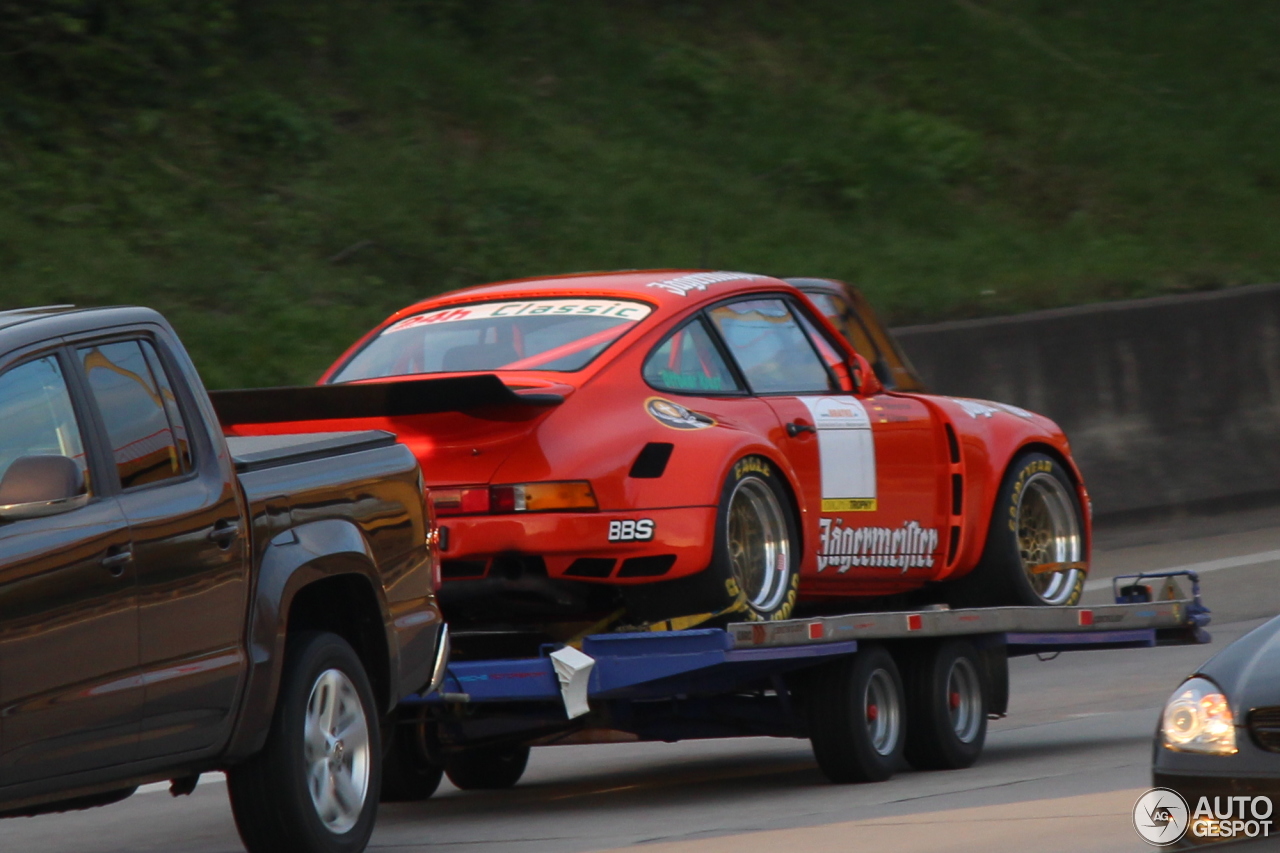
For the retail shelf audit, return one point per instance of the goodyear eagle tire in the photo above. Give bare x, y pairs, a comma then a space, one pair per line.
755, 557
314, 786
1034, 553
408, 773
856, 716
488, 769
946, 706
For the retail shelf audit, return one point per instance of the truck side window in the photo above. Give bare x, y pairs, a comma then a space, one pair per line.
770, 347
132, 403
36, 418
171, 407
688, 362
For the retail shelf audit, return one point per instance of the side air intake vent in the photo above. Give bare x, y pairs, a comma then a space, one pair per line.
652, 460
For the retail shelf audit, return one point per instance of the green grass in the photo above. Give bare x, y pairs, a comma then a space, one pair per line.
298, 170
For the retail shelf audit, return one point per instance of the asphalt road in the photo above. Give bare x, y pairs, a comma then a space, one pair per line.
1060, 773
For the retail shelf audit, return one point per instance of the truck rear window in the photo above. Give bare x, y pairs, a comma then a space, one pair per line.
561, 335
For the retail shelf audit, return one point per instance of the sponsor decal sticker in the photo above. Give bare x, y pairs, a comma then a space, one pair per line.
631, 311
631, 530
681, 285
846, 453
848, 504
676, 416
908, 547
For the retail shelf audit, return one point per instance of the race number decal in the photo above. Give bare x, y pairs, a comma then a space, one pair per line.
847, 452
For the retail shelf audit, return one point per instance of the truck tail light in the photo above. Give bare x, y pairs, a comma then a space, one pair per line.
517, 497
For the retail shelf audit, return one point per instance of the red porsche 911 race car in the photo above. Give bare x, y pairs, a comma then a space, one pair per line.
675, 442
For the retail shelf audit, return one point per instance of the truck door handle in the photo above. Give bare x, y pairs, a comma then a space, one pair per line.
794, 429
117, 558
224, 533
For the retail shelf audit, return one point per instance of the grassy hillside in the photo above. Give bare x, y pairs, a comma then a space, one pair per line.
277, 175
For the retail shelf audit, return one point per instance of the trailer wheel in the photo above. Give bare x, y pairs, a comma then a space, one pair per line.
856, 717
408, 773
946, 707
314, 786
1037, 525
487, 769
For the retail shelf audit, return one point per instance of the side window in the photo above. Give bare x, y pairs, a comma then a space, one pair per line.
830, 355
689, 362
770, 347
148, 447
36, 418
171, 408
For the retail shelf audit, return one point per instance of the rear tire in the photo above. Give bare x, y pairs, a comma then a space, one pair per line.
946, 707
1037, 523
408, 773
488, 769
856, 717
314, 786
755, 555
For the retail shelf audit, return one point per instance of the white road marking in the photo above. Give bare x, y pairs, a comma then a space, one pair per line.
1200, 568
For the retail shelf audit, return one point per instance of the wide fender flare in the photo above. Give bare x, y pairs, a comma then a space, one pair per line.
790, 482
293, 560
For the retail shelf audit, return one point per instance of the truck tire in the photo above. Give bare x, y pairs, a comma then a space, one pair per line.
488, 769
856, 716
314, 786
1037, 522
408, 773
946, 706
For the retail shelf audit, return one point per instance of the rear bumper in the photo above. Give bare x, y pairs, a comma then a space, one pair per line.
598, 547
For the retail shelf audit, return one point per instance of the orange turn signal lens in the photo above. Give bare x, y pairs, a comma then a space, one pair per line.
539, 497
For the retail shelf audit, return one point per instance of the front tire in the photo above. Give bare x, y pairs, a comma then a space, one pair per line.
1034, 553
314, 786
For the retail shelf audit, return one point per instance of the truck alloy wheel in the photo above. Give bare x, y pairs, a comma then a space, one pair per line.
337, 751
314, 786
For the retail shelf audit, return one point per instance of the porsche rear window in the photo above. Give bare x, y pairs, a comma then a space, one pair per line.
562, 335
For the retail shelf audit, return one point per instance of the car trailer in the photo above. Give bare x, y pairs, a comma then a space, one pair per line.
866, 689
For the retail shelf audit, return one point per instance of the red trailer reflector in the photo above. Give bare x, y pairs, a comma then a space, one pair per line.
816, 631
1086, 617
914, 622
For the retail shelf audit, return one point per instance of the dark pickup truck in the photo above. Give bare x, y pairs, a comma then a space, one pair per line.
174, 602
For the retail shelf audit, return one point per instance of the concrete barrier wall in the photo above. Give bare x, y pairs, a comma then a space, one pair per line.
1167, 402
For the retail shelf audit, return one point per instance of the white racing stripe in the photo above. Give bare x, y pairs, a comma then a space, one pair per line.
1200, 568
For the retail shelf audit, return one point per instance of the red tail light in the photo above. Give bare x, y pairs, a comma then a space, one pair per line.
519, 497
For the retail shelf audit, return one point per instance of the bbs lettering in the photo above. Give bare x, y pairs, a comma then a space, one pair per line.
631, 530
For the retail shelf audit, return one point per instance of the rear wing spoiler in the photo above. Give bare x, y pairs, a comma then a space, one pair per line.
371, 400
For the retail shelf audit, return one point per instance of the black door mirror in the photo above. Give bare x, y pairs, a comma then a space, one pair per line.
36, 486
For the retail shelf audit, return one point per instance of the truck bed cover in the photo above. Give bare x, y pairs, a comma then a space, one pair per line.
254, 453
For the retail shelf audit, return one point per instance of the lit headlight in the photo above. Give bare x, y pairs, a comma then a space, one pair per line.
1197, 718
